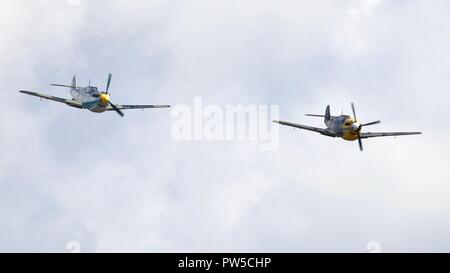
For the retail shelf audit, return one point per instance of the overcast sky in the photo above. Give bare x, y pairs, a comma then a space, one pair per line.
124, 184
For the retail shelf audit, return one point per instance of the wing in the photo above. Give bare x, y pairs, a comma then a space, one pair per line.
309, 128
69, 102
125, 107
380, 134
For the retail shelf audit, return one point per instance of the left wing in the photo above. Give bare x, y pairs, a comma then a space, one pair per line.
367, 135
325, 132
69, 102
125, 107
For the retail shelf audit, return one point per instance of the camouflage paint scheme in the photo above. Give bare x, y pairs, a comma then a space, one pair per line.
343, 126
90, 98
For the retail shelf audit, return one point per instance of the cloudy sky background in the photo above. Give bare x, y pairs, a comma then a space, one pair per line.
123, 184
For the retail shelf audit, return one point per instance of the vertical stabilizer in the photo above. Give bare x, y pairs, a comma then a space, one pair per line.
74, 82
327, 113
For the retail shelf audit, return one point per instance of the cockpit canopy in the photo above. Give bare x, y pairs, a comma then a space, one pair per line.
92, 90
347, 120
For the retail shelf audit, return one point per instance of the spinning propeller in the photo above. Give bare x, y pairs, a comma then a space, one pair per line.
359, 126
104, 97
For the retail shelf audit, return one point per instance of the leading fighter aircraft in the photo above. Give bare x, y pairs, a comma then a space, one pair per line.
91, 98
345, 127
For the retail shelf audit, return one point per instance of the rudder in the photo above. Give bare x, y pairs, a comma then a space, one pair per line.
74, 82
327, 113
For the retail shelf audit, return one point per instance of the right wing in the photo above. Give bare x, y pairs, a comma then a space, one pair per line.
125, 107
309, 128
72, 103
385, 134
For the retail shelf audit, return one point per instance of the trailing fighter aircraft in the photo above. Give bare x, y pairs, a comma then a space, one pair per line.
91, 98
345, 127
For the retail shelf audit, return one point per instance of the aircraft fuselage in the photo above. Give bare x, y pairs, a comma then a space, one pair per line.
91, 98
343, 126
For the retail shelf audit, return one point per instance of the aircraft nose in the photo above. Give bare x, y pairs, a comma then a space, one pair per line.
104, 98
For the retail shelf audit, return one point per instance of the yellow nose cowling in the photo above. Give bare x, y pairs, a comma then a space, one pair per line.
104, 98
348, 133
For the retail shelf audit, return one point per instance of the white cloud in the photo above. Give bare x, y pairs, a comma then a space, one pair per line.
124, 185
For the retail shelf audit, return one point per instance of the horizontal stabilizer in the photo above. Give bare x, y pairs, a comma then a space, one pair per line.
61, 85
311, 115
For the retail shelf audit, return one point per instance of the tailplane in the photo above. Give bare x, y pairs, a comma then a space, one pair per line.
73, 85
327, 115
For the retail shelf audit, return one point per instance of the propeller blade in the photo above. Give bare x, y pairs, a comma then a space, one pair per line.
116, 109
109, 81
370, 123
360, 142
353, 109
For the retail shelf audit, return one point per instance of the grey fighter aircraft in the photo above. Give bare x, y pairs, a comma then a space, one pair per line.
345, 127
91, 98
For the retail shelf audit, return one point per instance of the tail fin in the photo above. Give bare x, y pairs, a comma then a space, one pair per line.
74, 82
73, 85
327, 113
